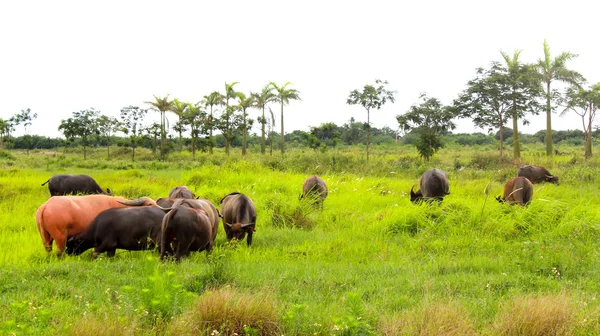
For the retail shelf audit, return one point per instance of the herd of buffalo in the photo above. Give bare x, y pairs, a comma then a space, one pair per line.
80, 215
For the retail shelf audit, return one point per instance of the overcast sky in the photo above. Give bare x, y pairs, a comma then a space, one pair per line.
57, 57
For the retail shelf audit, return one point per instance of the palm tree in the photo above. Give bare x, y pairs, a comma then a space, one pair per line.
244, 103
229, 94
551, 70
261, 100
162, 105
211, 100
179, 108
283, 96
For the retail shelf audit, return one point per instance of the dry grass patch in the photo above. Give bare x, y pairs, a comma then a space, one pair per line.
435, 319
541, 315
227, 312
105, 326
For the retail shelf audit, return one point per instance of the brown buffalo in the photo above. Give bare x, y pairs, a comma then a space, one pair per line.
433, 186
537, 174
185, 229
203, 204
518, 190
315, 189
181, 192
67, 184
61, 217
239, 216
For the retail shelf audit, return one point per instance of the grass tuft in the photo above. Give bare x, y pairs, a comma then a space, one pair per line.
536, 316
435, 319
229, 312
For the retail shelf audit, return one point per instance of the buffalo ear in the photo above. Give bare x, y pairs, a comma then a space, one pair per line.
109, 192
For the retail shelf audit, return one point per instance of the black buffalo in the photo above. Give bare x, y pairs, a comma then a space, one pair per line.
184, 230
315, 189
124, 228
181, 192
239, 216
67, 184
433, 185
201, 204
537, 174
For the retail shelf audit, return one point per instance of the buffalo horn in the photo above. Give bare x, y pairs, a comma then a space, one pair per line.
137, 202
248, 225
229, 225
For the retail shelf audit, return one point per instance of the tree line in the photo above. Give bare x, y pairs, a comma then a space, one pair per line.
499, 93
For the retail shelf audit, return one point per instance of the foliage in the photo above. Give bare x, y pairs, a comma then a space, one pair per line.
25, 118
229, 121
211, 100
244, 103
429, 119
83, 124
371, 97
162, 105
261, 100
107, 126
199, 123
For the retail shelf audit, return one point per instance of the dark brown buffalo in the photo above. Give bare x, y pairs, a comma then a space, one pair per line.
433, 186
204, 204
518, 190
537, 174
315, 189
184, 230
239, 216
132, 229
181, 192
67, 184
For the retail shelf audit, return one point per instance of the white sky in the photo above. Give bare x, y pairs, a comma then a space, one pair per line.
57, 57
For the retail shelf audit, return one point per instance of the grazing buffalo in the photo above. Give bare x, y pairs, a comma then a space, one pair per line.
314, 188
239, 216
537, 174
518, 190
61, 217
67, 184
204, 204
124, 228
181, 192
433, 185
184, 230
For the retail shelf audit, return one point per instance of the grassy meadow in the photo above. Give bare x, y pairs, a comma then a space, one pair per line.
370, 262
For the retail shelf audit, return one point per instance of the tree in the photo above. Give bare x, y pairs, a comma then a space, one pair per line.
555, 70
371, 97
132, 118
227, 123
107, 126
271, 124
198, 122
162, 105
244, 103
584, 103
215, 98
153, 130
429, 119
283, 95
487, 100
6, 126
24, 117
525, 86
83, 124
261, 100
179, 108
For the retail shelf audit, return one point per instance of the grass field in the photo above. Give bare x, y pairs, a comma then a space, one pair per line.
369, 263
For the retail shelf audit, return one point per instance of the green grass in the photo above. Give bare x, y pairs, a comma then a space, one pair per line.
369, 263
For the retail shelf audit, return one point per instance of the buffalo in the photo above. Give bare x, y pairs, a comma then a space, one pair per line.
67, 184
181, 192
518, 190
185, 229
203, 204
61, 217
120, 228
537, 174
315, 189
433, 185
239, 216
